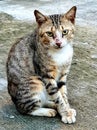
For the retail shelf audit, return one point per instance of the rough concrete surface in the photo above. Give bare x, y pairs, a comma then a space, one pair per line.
82, 81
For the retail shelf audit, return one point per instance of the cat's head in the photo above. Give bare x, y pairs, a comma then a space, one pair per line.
55, 31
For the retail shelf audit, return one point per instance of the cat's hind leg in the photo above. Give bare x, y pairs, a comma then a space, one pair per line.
50, 104
37, 90
44, 112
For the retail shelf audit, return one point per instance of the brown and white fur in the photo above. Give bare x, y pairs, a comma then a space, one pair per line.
38, 65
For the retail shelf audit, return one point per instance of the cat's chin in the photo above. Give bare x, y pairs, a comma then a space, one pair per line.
59, 48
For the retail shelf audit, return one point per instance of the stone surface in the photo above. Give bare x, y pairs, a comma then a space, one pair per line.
82, 80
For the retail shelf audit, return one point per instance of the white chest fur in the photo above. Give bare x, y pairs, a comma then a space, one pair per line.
63, 55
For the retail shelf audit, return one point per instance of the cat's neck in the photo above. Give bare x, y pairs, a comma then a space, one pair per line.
62, 55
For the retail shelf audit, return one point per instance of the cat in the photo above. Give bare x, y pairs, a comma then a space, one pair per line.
38, 64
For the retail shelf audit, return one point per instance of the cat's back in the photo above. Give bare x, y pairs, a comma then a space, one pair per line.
19, 63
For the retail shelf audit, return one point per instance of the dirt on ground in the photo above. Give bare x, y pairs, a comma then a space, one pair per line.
82, 80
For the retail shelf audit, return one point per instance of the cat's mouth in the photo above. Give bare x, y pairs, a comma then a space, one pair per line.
58, 47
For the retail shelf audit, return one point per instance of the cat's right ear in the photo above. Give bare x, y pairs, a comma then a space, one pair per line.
40, 18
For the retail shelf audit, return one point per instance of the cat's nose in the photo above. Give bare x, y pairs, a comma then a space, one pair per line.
58, 44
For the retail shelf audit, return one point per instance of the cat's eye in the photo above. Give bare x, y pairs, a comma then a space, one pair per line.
50, 34
65, 32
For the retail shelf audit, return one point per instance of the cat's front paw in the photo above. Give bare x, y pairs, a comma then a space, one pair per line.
70, 116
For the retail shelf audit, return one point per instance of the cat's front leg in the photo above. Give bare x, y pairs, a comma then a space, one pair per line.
63, 88
67, 114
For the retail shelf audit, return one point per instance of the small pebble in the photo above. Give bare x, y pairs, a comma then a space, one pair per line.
96, 116
85, 43
94, 56
11, 117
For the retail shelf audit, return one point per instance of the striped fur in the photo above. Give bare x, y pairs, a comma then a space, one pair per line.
55, 20
38, 65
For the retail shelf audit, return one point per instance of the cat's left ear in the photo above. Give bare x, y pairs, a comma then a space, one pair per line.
71, 14
40, 18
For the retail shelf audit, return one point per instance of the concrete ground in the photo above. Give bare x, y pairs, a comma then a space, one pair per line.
82, 81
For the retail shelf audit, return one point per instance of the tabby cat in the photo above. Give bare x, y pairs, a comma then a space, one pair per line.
38, 65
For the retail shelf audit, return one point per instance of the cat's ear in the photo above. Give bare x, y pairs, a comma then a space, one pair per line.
71, 14
40, 18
